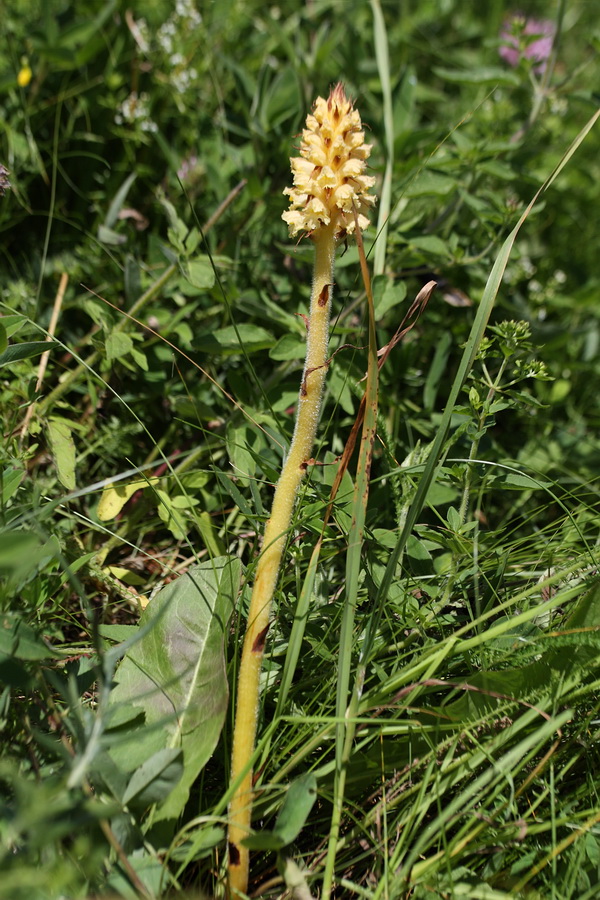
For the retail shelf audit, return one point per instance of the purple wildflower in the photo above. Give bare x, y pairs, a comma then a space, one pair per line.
524, 38
187, 167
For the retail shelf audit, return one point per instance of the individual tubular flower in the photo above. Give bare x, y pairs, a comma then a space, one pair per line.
329, 187
329, 174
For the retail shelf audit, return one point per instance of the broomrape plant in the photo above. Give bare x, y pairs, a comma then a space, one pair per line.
329, 196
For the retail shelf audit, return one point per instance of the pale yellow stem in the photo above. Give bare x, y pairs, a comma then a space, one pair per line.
267, 569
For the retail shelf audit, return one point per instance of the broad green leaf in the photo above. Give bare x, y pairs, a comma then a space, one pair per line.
117, 345
63, 451
176, 672
106, 771
125, 575
243, 443
3, 338
120, 714
498, 170
117, 632
226, 341
194, 480
19, 640
297, 805
155, 779
559, 390
454, 519
139, 358
339, 387
11, 324
172, 511
10, 480
430, 244
427, 182
439, 494
26, 350
417, 550
16, 547
200, 272
115, 496
98, 312
290, 346
345, 491
209, 533
387, 294
517, 481
516, 637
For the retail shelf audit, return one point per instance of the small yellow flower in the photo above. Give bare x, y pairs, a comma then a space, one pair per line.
329, 174
24, 76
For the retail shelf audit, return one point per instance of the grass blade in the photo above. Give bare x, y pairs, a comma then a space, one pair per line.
345, 728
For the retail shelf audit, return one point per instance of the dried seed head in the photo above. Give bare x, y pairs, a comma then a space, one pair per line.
328, 174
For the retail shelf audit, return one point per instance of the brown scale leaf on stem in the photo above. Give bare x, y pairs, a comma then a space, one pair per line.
259, 642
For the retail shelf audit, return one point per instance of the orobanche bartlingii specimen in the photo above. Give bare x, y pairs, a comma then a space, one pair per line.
329, 196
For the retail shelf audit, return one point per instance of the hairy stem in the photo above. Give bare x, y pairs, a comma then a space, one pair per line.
267, 569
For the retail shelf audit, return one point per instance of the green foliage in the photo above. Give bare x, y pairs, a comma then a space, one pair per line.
147, 149
175, 673
299, 800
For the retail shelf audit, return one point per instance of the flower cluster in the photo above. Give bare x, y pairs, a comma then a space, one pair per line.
329, 179
135, 110
164, 46
188, 167
530, 39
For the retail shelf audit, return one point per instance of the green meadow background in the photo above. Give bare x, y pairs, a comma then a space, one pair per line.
429, 717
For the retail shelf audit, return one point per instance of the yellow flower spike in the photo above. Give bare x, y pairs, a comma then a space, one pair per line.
329, 173
329, 184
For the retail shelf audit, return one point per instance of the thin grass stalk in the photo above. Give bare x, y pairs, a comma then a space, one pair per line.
346, 714
383, 67
512, 760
